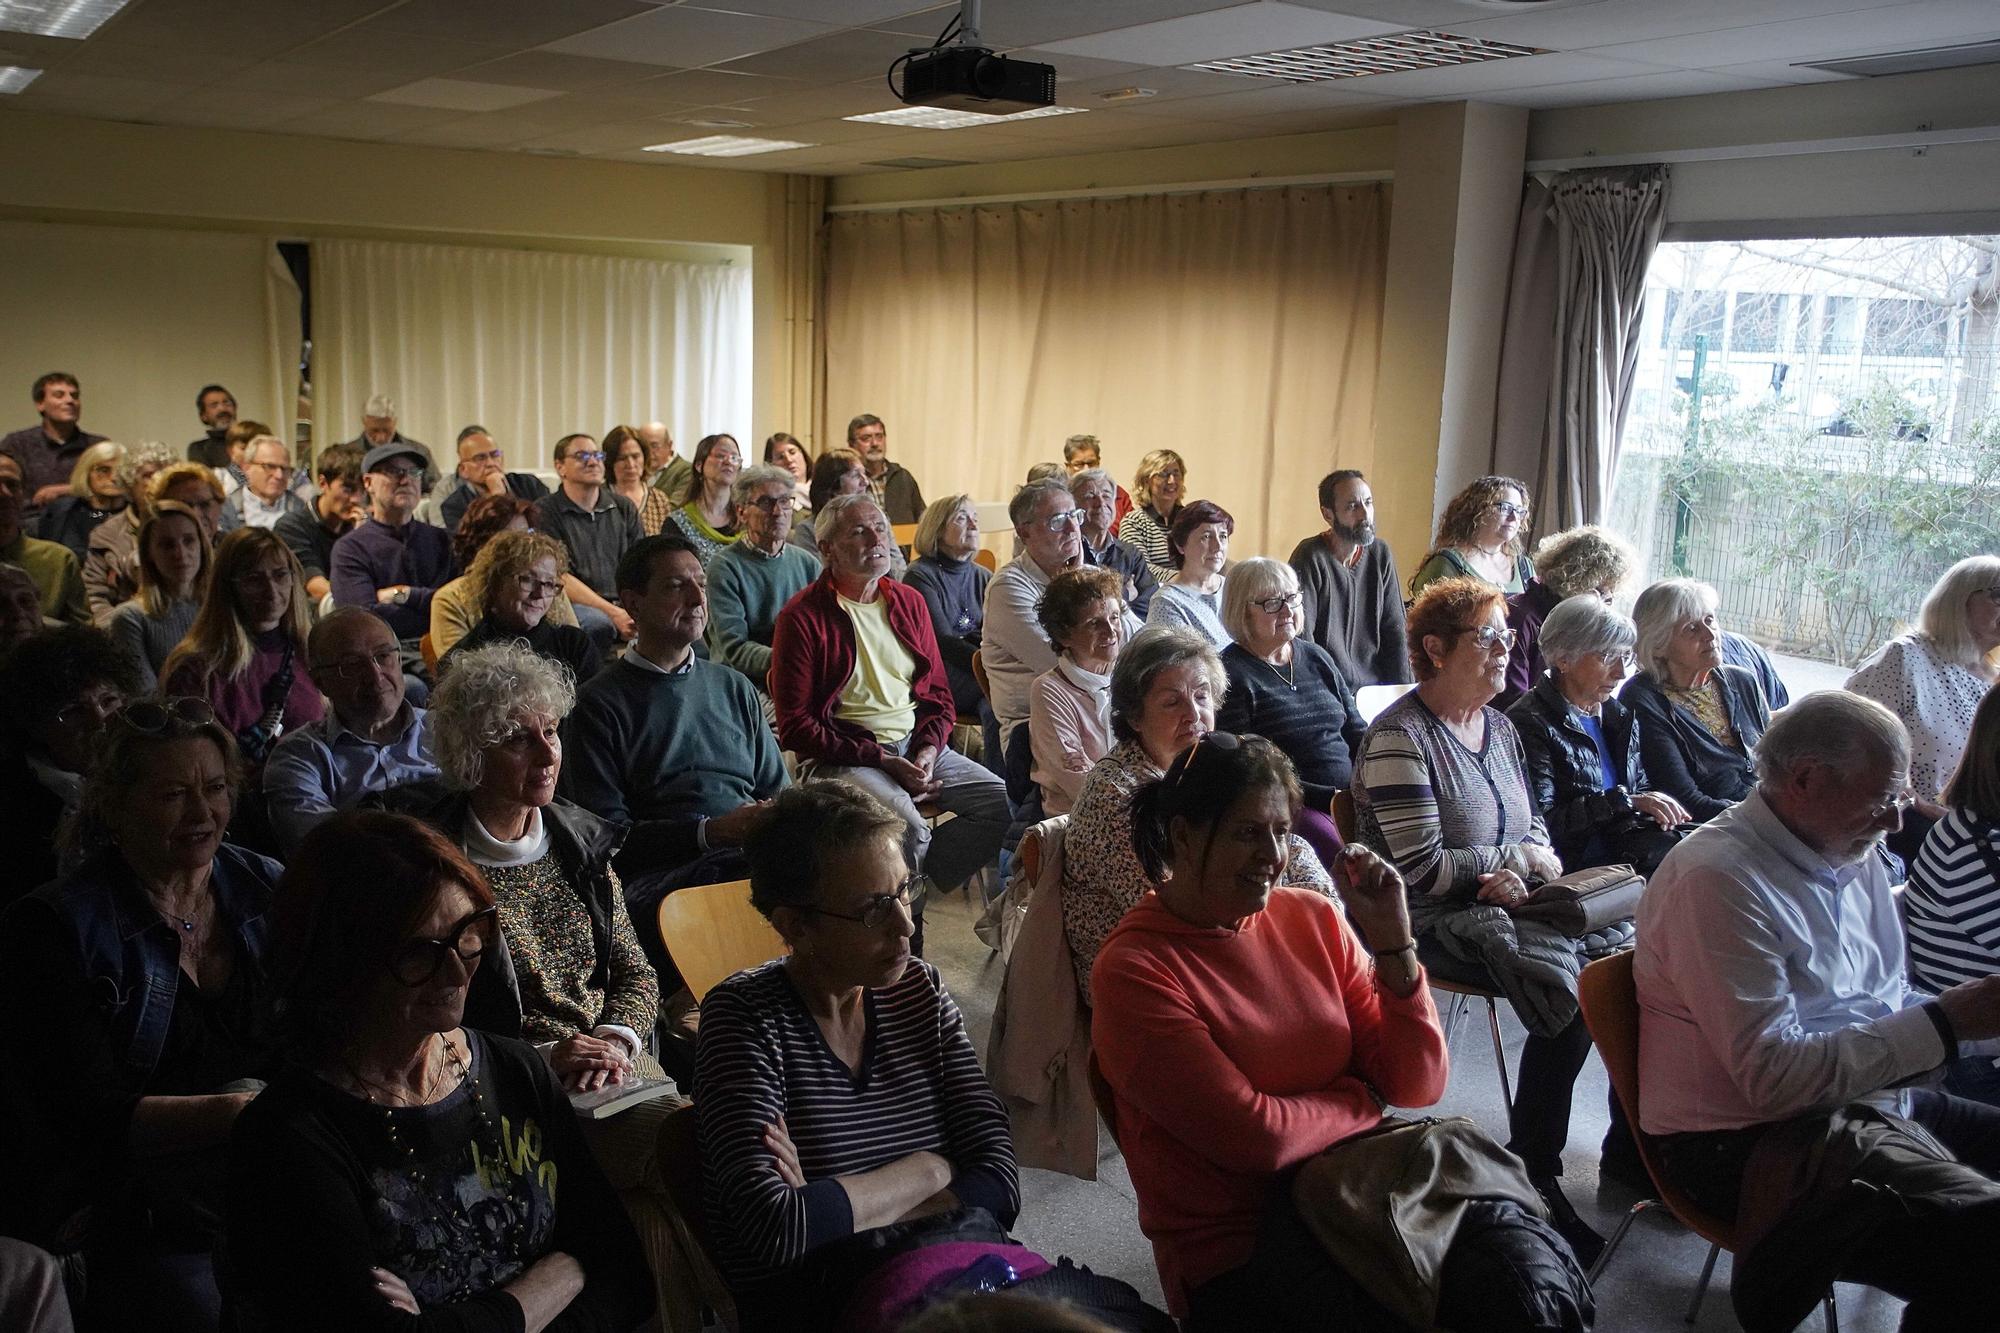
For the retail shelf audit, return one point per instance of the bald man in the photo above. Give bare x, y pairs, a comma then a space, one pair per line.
665, 468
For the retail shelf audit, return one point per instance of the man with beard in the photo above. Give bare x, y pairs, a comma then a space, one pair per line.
1353, 599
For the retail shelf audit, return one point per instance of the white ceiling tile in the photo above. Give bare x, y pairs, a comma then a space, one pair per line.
857, 53
1592, 92
1040, 22
1264, 98
1610, 22
250, 29
364, 48
1437, 14
277, 76
463, 95
688, 37
1780, 72
619, 136
176, 64
1266, 25
842, 99
857, 13
95, 94
1316, 121
1499, 76
514, 23
1893, 28
714, 87
472, 132
1168, 84
368, 120
553, 69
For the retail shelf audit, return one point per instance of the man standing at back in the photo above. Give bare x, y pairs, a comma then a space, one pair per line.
892, 484
482, 470
598, 526
378, 427
216, 407
47, 451
1353, 602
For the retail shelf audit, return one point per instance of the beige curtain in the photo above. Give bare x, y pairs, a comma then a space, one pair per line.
144, 318
1241, 328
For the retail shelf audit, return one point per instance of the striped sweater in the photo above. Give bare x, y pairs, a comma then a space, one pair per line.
760, 1055
1953, 903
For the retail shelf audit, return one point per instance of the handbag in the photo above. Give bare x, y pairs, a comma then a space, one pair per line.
1584, 901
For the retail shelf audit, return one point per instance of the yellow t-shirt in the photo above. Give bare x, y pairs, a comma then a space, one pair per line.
877, 696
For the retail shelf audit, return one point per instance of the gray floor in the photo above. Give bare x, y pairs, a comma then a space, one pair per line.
1647, 1286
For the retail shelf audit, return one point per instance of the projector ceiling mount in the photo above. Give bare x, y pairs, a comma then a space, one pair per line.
966, 76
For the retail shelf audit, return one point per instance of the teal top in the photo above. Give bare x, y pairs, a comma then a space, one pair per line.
746, 590
1450, 564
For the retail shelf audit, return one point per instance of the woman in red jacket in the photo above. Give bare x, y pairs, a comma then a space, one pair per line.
1244, 1028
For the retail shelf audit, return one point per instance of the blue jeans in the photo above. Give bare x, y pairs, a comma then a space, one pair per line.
598, 626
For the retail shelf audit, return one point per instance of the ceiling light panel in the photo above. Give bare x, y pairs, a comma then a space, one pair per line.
75, 19
725, 145
1402, 53
944, 118
13, 78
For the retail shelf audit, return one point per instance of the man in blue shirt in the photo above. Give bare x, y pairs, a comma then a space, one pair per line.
482, 470
390, 563
371, 740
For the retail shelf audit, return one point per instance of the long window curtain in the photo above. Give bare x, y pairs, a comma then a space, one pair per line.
531, 345
1606, 225
144, 318
1241, 328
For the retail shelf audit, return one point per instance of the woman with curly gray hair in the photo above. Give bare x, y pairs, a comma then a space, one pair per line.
569, 974
1567, 564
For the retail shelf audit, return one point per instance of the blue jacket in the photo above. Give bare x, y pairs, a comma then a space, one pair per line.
1682, 759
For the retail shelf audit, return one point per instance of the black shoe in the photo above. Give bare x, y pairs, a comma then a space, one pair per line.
1626, 1170
1583, 1240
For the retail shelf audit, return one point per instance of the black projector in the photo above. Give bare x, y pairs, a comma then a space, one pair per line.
970, 78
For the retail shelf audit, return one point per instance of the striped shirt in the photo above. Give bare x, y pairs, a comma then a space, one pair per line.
1441, 812
1953, 903
919, 1088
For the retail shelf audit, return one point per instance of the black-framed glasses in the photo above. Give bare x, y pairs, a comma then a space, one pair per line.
418, 960
1272, 605
153, 716
1508, 509
356, 665
775, 504
1214, 740
531, 585
910, 893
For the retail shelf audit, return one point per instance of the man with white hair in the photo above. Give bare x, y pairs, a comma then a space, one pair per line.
1783, 1055
665, 468
266, 495
378, 427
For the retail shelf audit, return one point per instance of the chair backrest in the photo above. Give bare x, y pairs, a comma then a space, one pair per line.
713, 932
1029, 853
979, 673
904, 534
1344, 817
429, 651
986, 560
1370, 700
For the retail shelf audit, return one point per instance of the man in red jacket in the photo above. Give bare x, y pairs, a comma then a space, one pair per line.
861, 695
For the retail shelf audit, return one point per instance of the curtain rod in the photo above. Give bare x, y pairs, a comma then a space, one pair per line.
1121, 191
1855, 143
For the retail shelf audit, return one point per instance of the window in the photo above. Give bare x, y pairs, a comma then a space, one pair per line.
1694, 314
1759, 316
1906, 327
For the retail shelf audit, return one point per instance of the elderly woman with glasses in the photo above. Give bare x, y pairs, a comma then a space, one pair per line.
517, 580
1442, 789
1286, 688
1699, 718
406, 1170
1583, 745
137, 991
95, 495
839, 1093
1069, 705
1481, 535
1199, 541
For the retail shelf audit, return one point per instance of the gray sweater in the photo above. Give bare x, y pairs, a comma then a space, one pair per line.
148, 639
1355, 614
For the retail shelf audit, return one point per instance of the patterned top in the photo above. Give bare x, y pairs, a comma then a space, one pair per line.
707, 540
1935, 698
564, 988
1179, 603
1146, 530
1101, 873
1705, 704
1953, 903
655, 508
1441, 812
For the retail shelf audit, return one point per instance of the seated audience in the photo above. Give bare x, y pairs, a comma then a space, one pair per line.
666, 470
516, 581
751, 579
405, 1170
1158, 487
45, 453
861, 696
20, 607
1782, 1049
1082, 454
58, 689
1287, 689
94, 495
1699, 719
838, 471
246, 651
482, 471
1164, 692
1069, 705
216, 407
1097, 497
137, 988
1353, 600
598, 526
1218, 1093
953, 586
803, 1156
111, 554
894, 487
1441, 789
1482, 534
784, 450
671, 745
391, 564
625, 461
1192, 596
458, 607
371, 740
1583, 745
1933, 678
232, 475
266, 494
54, 567
1567, 564
336, 507
378, 428
173, 578
708, 519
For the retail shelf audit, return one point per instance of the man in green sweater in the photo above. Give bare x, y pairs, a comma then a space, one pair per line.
751, 579
673, 746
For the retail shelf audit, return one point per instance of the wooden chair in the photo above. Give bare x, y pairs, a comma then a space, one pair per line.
979, 673
1344, 819
429, 651
1610, 1000
903, 534
712, 932
986, 560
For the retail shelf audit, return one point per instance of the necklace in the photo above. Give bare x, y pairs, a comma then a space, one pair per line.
1291, 678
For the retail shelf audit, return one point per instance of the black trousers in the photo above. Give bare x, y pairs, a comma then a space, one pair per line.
1538, 1122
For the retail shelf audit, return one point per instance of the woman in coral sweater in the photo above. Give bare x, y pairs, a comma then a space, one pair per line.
1244, 1028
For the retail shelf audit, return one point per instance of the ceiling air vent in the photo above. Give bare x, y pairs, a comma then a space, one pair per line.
1909, 62
1398, 54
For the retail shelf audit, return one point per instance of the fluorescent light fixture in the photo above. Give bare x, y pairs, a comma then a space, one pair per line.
14, 79
1397, 54
719, 124
944, 118
724, 145
74, 19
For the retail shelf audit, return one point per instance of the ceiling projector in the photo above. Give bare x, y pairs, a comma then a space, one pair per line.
967, 76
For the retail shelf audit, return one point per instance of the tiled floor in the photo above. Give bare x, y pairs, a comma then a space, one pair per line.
1647, 1286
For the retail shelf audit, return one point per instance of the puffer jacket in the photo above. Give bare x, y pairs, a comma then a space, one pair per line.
1566, 775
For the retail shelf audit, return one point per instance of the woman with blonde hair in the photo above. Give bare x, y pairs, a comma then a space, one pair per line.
111, 569
953, 585
173, 571
94, 495
1567, 564
1482, 535
1159, 487
515, 581
625, 464
1935, 677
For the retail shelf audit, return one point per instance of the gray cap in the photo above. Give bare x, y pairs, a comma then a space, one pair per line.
382, 453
